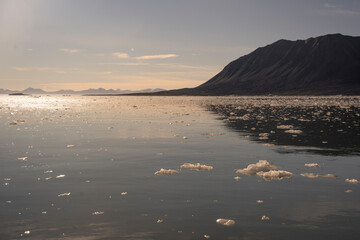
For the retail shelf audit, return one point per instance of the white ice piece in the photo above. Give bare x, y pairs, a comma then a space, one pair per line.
64, 194
312, 165
163, 171
312, 175
261, 166
274, 175
354, 181
196, 166
225, 222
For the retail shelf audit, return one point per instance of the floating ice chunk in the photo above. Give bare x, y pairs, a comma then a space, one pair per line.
285, 127
98, 213
207, 236
64, 194
22, 158
259, 201
268, 144
274, 175
27, 232
48, 178
123, 193
225, 222
44, 212
237, 178
354, 181
163, 171
312, 175
184, 137
70, 146
61, 176
261, 166
159, 221
348, 191
48, 171
312, 165
292, 131
196, 166
264, 218
264, 134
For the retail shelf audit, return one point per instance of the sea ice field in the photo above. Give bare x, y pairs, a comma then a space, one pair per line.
140, 167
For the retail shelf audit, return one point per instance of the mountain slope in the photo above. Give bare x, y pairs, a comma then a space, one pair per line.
323, 65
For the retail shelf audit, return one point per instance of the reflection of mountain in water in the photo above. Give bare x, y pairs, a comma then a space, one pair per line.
331, 129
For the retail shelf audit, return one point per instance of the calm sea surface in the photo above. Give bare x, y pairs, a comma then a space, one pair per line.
83, 167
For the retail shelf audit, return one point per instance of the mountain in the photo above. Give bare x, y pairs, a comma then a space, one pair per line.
33, 91
86, 92
323, 65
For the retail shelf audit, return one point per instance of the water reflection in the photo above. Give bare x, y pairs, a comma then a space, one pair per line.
329, 126
90, 164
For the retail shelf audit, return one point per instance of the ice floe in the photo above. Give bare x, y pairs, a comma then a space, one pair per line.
312, 175
312, 165
61, 176
354, 181
98, 213
293, 131
237, 178
259, 201
70, 146
225, 222
22, 158
163, 171
64, 194
274, 175
264, 218
285, 127
196, 166
260, 166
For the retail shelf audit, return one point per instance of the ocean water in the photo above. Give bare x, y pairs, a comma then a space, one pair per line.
83, 167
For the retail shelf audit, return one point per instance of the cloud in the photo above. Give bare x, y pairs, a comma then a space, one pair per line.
126, 63
121, 55
70, 50
159, 56
147, 57
45, 69
336, 10
328, 5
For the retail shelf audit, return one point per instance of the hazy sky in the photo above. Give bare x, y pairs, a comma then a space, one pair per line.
136, 44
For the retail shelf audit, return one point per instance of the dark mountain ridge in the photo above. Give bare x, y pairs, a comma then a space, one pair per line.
323, 65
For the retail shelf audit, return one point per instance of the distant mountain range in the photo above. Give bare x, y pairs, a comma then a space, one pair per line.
89, 91
323, 65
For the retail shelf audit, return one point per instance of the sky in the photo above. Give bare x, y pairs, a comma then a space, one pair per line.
138, 44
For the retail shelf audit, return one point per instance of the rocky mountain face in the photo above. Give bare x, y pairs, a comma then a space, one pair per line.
323, 65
